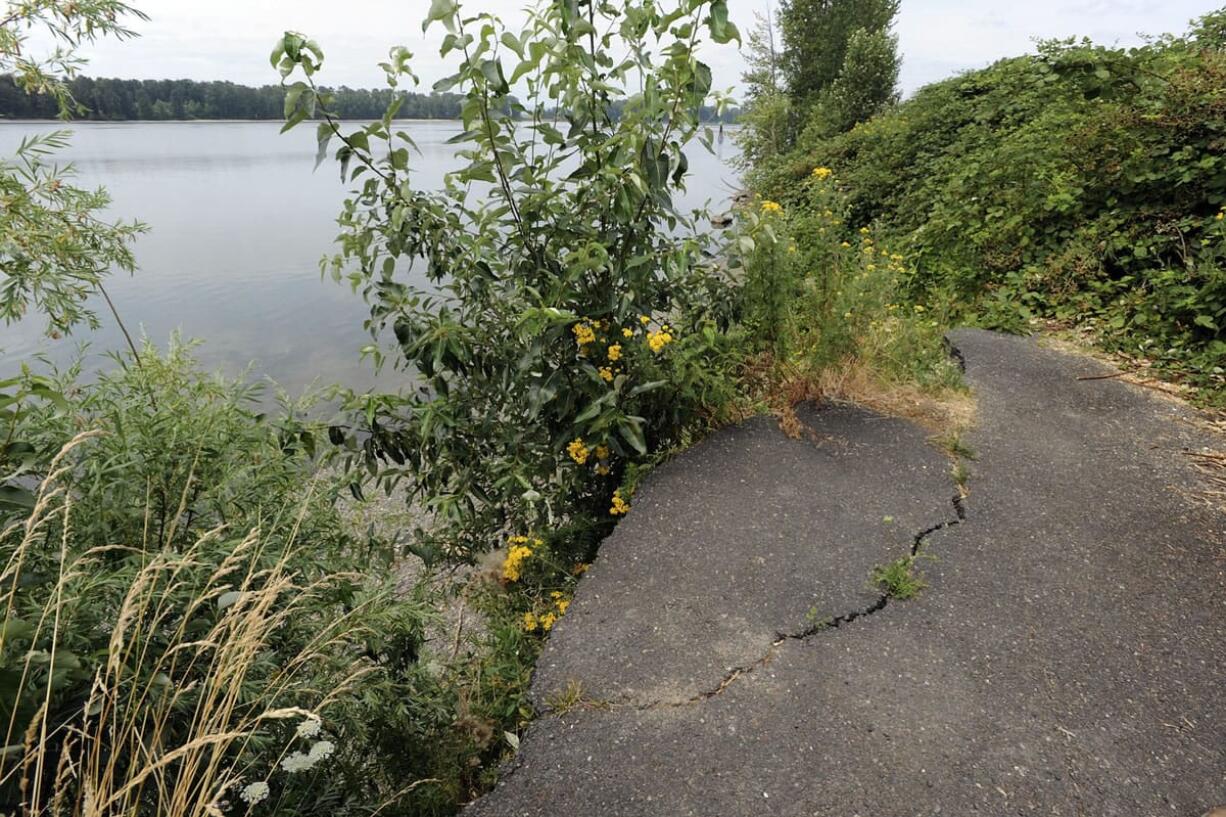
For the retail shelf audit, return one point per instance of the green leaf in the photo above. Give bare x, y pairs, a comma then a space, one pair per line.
593, 410
512, 42
441, 11
492, 69
631, 429
647, 387
14, 497
292, 97
324, 135
446, 84
722, 31
464, 136
702, 79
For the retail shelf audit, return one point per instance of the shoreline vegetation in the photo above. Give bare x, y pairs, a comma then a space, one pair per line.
1081, 187
194, 621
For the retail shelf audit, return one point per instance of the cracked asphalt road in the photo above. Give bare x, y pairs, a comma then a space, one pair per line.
1067, 658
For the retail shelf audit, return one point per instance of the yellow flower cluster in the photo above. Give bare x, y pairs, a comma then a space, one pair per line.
658, 340
772, 207
620, 506
591, 332
602, 454
513, 565
545, 621
578, 451
1221, 215
822, 173
584, 334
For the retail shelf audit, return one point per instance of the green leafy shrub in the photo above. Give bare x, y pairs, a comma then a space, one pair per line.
568, 306
1082, 184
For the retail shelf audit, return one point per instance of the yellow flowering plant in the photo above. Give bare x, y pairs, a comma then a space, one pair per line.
520, 318
527, 333
817, 293
537, 579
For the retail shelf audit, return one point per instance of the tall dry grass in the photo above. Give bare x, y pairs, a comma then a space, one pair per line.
173, 716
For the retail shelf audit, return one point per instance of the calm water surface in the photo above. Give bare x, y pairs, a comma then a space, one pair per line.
238, 222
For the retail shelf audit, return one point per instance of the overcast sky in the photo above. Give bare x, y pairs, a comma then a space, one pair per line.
230, 39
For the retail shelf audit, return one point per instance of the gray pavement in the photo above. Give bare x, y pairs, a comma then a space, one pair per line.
1068, 657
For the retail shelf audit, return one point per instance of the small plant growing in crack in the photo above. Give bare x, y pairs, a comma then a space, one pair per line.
899, 579
956, 447
815, 622
962, 476
572, 698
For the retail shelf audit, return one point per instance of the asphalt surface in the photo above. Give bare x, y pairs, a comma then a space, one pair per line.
1067, 658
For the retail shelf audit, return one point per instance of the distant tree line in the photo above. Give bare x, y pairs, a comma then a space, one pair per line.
113, 100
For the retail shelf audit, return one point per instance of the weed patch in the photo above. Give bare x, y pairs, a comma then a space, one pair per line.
899, 579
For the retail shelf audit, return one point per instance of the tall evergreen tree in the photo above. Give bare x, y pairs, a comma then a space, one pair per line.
866, 84
816, 34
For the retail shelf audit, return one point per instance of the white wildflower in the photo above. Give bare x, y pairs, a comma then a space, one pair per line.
297, 762
254, 793
305, 761
322, 750
309, 728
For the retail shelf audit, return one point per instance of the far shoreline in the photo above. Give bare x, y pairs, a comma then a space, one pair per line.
4, 121
74, 122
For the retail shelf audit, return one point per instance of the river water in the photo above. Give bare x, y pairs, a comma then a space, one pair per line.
238, 222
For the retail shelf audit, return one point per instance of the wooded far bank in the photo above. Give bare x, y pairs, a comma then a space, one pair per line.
118, 100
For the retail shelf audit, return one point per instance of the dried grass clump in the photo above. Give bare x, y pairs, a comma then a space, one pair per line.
172, 712
942, 411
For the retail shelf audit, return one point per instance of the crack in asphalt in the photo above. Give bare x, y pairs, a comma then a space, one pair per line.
781, 638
